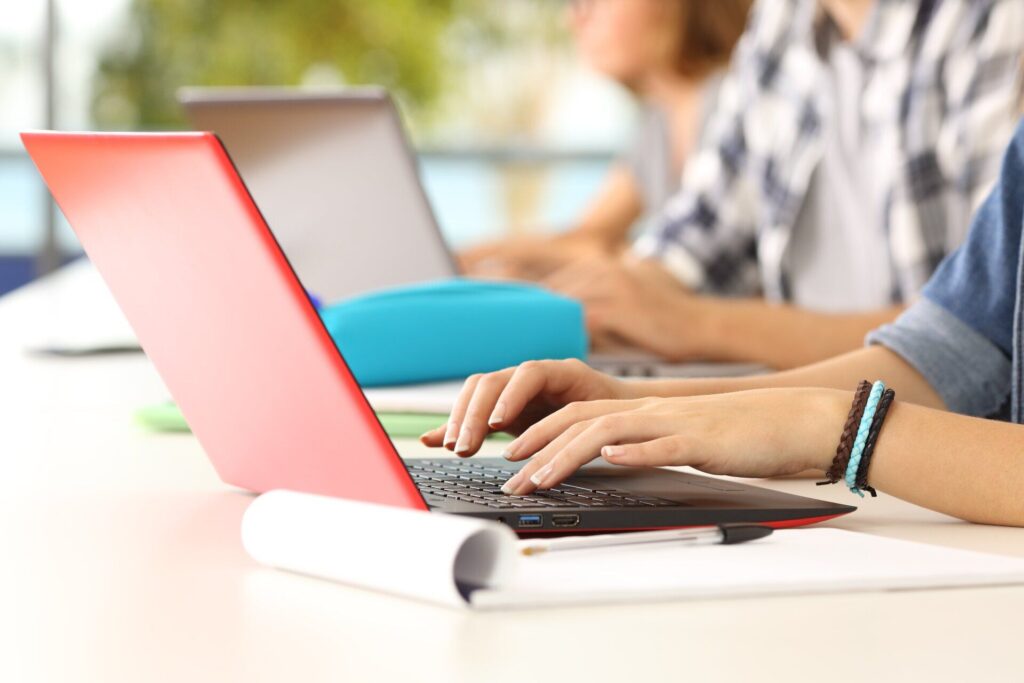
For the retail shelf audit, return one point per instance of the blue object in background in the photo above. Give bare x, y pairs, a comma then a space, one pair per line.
16, 271
451, 329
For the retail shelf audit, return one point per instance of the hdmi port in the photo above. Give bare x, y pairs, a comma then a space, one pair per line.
565, 520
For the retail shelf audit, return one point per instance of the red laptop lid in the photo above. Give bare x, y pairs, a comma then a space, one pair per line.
170, 226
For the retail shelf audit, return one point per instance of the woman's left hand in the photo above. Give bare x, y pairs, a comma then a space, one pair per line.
764, 433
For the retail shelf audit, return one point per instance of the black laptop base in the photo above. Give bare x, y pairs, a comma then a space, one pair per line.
602, 497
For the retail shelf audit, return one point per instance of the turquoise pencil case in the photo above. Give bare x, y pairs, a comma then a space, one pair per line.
452, 329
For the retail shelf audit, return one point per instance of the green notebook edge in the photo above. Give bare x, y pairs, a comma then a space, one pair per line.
166, 418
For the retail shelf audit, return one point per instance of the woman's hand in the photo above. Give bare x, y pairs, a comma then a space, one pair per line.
764, 433
511, 400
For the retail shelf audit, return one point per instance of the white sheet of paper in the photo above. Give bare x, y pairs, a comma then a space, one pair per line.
442, 558
790, 561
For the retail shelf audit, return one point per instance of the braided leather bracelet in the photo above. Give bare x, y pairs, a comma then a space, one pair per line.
842, 459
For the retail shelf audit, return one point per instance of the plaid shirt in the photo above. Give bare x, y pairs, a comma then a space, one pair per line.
939, 98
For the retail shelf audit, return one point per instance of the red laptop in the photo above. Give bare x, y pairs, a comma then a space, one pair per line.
172, 229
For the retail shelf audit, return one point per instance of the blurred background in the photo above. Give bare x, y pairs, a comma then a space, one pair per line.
513, 133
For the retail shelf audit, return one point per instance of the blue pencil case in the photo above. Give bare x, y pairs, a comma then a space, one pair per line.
451, 329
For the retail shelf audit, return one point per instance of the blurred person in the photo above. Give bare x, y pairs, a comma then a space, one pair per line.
850, 143
670, 54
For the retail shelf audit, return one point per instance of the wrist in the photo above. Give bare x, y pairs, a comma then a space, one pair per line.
697, 323
819, 421
626, 389
724, 330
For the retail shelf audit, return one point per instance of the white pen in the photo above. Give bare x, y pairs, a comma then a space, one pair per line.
702, 535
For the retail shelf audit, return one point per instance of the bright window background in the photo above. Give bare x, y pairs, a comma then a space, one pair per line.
514, 135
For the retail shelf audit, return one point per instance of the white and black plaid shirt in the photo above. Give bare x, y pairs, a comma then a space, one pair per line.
939, 96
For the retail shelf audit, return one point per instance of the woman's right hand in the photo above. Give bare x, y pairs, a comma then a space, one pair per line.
512, 400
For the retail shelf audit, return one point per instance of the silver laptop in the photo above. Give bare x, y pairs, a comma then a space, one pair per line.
334, 175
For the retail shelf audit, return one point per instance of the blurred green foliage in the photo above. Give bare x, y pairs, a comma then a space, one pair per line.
167, 44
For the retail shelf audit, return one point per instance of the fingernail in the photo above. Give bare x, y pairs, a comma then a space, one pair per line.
540, 475
463, 443
510, 486
450, 434
498, 415
509, 452
613, 451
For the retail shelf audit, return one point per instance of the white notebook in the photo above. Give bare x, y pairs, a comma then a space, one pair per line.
465, 562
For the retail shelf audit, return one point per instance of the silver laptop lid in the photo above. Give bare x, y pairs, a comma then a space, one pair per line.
336, 180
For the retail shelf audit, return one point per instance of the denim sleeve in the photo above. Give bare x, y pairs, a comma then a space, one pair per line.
969, 372
978, 282
960, 335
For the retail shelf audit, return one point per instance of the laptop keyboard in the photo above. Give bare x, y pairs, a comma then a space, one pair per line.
470, 482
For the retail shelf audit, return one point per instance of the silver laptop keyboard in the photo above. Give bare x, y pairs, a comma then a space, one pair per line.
470, 482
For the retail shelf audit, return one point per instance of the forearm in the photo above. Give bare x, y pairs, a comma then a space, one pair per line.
608, 219
967, 467
842, 372
777, 335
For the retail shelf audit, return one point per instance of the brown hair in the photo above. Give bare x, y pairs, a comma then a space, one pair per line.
710, 32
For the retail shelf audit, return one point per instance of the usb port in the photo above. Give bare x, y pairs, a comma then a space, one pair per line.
565, 520
530, 521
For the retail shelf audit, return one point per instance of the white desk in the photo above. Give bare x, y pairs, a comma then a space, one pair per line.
121, 561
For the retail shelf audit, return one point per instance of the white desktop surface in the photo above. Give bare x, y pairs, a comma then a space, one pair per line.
120, 560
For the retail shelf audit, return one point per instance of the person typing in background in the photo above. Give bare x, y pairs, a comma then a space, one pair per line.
850, 142
670, 53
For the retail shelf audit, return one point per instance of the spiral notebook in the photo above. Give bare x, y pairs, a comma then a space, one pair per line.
467, 563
